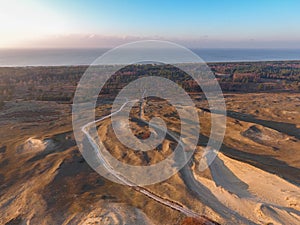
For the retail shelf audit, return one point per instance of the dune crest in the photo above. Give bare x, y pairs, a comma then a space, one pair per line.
257, 195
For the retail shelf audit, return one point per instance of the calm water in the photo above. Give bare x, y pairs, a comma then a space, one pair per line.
49, 57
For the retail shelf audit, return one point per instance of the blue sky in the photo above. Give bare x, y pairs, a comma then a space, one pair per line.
253, 24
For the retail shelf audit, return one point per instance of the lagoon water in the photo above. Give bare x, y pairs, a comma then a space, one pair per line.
58, 57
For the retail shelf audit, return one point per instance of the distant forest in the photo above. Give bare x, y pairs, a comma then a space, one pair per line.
59, 83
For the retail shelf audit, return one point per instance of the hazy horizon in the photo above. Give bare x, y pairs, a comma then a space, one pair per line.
86, 56
101, 24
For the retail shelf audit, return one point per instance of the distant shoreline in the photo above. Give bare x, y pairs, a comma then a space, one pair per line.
208, 63
85, 57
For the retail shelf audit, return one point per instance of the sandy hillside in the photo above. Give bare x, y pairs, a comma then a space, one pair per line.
254, 179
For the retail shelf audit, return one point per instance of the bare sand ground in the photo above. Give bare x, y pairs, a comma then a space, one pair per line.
255, 178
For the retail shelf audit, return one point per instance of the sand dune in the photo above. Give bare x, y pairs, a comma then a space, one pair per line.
113, 213
255, 194
35, 145
45, 180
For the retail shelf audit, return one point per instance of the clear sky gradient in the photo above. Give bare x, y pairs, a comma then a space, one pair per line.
97, 23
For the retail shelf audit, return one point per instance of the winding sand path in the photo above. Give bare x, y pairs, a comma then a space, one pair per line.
188, 212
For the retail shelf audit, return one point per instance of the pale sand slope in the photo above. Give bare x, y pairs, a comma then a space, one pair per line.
255, 194
34, 145
106, 213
